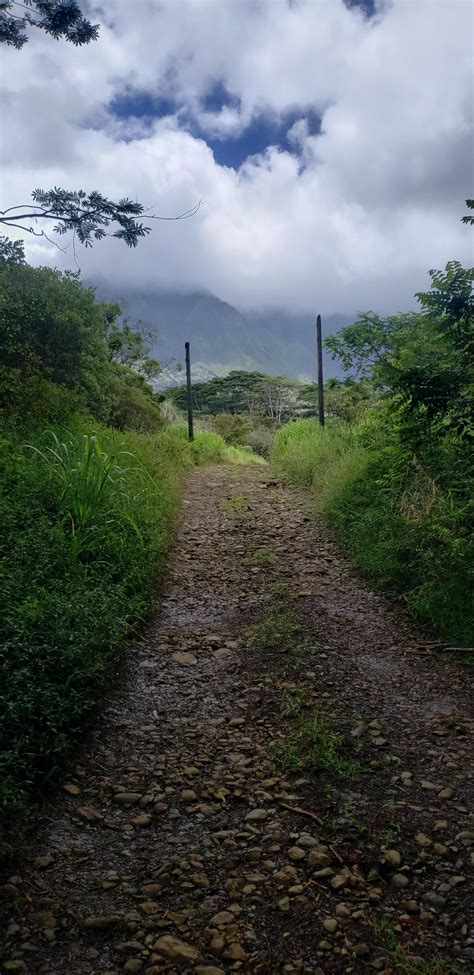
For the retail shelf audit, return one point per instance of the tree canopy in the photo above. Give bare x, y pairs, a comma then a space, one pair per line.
62, 19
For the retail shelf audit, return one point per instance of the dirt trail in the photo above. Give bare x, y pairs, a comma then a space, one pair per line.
179, 846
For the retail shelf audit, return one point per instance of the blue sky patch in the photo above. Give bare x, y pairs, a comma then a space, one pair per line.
264, 130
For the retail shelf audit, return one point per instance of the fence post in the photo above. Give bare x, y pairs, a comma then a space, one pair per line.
190, 393
319, 345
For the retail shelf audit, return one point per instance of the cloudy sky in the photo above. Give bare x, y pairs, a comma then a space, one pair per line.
331, 143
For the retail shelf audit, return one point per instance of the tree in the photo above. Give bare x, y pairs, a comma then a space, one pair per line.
423, 362
129, 346
59, 18
11, 251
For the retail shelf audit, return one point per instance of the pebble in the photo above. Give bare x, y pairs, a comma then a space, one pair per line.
183, 657
330, 924
172, 947
295, 853
256, 816
399, 881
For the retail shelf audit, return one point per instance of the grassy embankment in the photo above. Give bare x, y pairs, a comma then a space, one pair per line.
87, 521
404, 518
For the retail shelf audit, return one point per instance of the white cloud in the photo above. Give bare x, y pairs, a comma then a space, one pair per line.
354, 222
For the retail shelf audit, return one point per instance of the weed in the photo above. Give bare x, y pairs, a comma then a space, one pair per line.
277, 590
235, 503
311, 744
261, 557
280, 631
402, 961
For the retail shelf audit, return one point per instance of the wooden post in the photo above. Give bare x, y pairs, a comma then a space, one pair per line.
190, 393
320, 371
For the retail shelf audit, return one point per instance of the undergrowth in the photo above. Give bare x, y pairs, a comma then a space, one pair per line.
87, 514
404, 516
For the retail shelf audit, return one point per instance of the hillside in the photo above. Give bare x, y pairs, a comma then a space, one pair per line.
223, 338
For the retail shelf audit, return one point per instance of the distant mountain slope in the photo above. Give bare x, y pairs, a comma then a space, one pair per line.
222, 338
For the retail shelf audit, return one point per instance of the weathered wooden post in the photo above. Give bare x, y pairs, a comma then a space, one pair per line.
190, 393
319, 344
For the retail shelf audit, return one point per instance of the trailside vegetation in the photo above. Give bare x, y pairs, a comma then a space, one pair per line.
396, 484
90, 486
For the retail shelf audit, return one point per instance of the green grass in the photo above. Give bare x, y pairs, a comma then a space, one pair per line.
279, 631
261, 557
235, 503
87, 518
403, 961
310, 744
405, 519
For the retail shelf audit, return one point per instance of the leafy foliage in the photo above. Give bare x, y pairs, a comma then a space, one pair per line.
52, 330
59, 18
11, 251
469, 217
87, 215
423, 362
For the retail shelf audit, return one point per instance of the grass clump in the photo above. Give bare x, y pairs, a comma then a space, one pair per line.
310, 744
403, 962
235, 503
261, 557
280, 631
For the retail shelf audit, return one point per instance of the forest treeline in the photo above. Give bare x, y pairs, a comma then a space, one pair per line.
91, 474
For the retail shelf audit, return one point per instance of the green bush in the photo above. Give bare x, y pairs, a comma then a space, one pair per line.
405, 518
87, 519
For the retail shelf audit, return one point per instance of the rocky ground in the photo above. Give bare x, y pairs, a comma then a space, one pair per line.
281, 784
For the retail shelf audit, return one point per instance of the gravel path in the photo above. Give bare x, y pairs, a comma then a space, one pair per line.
202, 831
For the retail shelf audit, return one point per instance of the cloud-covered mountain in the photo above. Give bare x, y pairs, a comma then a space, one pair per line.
274, 341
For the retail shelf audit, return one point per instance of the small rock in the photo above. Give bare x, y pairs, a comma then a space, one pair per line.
330, 924
429, 786
133, 965
72, 789
172, 947
188, 795
284, 904
15, 965
399, 881
183, 657
222, 918
103, 923
235, 952
127, 798
256, 816
423, 840
434, 899
43, 862
209, 970
295, 853
142, 820
446, 794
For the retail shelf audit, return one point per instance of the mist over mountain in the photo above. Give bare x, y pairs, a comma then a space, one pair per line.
222, 338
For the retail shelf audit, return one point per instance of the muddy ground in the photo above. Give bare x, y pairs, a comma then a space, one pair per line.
214, 823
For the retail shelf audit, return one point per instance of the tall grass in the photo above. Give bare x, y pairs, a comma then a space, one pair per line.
87, 517
405, 518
